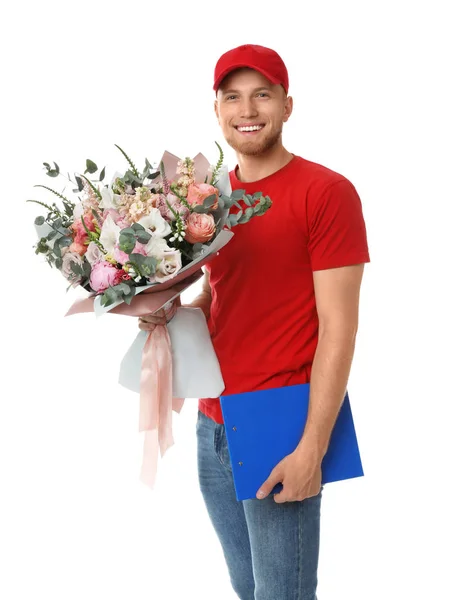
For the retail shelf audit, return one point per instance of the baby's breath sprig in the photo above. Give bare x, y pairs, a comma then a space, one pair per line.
218, 165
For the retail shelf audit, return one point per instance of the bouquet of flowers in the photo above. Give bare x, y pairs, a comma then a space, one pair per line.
135, 244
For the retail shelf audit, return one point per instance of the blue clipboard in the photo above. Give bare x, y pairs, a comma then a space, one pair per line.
265, 426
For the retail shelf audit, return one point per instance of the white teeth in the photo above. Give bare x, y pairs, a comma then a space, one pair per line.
253, 128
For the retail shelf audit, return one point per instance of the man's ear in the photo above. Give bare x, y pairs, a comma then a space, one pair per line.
216, 109
288, 108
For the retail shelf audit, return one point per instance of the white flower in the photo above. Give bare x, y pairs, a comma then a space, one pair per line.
68, 258
155, 224
94, 254
169, 266
109, 200
78, 210
157, 246
109, 235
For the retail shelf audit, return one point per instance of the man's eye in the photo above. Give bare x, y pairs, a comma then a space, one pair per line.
262, 94
231, 97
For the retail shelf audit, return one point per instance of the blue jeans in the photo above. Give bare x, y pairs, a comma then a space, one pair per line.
271, 549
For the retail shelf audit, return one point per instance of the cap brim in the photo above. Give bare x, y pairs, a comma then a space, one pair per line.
226, 72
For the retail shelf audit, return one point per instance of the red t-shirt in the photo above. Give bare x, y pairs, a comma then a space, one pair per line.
263, 321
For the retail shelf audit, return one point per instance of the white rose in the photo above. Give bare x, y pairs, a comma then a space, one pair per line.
94, 254
169, 266
68, 258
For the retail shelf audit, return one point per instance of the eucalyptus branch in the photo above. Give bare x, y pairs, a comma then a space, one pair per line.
134, 169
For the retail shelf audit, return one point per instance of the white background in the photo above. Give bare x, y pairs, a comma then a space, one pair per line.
371, 101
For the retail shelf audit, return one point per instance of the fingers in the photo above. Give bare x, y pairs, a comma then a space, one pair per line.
146, 326
275, 477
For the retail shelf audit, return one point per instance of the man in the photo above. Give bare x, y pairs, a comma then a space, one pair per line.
282, 306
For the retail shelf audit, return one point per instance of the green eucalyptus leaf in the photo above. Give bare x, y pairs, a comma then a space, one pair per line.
39, 221
209, 201
102, 174
80, 184
200, 209
233, 220
143, 237
237, 194
58, 263
91, 166
136, 227
127, 242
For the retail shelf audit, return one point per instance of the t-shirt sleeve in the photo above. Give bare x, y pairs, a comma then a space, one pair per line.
337, 231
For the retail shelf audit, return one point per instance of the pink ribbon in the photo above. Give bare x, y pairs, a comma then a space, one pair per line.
156, 401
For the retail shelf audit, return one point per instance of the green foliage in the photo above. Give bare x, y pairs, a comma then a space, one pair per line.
134, 169
52, 172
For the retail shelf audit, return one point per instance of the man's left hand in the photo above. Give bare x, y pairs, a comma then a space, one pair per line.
300, 474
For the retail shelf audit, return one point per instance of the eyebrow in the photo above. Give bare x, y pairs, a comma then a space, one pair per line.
259, 89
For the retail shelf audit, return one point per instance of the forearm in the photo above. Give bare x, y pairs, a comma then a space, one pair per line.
202, 301
329, 378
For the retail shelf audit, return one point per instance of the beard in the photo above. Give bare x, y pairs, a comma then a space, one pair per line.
254, 148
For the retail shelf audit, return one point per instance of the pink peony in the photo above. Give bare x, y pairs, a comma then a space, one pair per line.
198, 192
200, 228
103, 275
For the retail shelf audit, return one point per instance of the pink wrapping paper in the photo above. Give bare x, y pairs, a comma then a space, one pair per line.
156, 400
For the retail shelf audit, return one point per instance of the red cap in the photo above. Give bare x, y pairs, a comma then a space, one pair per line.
262, 59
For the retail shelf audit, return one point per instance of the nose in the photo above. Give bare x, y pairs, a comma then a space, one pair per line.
248, 108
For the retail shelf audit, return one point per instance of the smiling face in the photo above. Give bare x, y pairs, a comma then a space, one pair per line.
251, 111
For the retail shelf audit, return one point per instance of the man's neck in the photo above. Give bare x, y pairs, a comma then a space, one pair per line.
253, 168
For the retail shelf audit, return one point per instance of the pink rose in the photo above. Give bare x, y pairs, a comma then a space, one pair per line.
197, 192
103, 275
200, 228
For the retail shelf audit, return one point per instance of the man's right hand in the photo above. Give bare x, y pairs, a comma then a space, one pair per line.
149, 322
